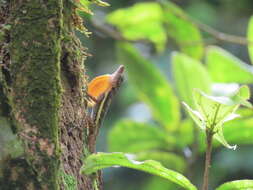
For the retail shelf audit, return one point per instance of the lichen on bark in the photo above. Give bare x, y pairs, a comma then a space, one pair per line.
35, 89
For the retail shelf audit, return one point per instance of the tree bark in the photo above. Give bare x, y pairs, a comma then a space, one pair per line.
43, 136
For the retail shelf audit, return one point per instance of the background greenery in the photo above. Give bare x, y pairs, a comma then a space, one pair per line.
142, 122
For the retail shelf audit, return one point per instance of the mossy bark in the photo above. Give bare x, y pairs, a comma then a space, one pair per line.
42, 106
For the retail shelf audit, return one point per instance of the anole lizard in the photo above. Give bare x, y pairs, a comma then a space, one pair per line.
101, 91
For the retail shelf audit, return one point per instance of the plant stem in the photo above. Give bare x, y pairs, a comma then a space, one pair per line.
209, 138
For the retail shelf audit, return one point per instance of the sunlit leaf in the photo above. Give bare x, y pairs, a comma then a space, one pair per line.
189, 74
151, 86
224, 89
208, 107
242, 96
225, 67
141, 21
130, 136
216, 109
213, 111
218, 116
99, 161
183, 31
237, 185
244, 92
167, 159
250, 38
196, 116
237, 96
220, 137
238, 131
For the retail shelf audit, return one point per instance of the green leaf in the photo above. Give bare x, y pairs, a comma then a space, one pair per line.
151, 86
139, 22
242, 96
244, 92
237, 185
196, 116
235, 96
182, 30
130, 136
220, 137
250, 38
159, 183
167, 159
238, 131
224, 67
213, 111
189, 74
99, 161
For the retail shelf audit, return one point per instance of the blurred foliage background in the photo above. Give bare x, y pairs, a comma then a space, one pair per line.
128, 108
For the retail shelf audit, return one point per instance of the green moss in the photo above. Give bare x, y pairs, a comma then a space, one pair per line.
35, 51
35, 55
69, 181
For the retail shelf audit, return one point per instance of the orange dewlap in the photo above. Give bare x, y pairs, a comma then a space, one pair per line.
99, 86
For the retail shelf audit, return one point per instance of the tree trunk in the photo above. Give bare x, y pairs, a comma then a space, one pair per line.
43, 127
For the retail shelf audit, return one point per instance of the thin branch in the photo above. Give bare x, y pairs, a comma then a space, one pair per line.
213, 32
110, 31
209, 138
222, 36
